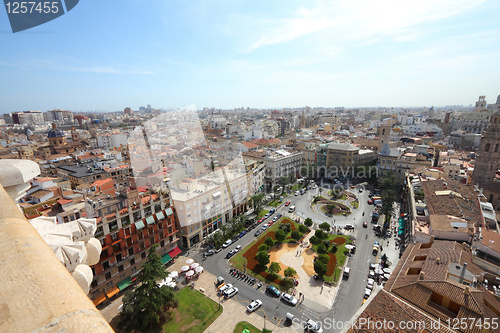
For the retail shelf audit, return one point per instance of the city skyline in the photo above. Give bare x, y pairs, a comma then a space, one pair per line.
100, 57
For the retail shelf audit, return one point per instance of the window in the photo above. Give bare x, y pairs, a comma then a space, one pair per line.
487, 147
413, 271
419, 258
105, 265
108, 275
114, 236
131, 251
143, 255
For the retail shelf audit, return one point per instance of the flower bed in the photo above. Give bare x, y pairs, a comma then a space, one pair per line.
338, 240
250, 254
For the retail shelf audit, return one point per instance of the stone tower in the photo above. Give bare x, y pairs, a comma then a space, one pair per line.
384, 136
481, 104
488, 161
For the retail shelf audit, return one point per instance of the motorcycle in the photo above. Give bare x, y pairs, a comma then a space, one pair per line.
366, 237
259, 285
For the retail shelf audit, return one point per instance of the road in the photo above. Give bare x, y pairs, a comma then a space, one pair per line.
350, 294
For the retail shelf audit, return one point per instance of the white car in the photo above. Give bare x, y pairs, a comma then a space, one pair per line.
225, 287
237, 248
297, 193
368, 292
227, 243
289, 299
313, 326
230, 292
254, 305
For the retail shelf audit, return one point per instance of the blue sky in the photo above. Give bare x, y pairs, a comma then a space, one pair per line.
107, 55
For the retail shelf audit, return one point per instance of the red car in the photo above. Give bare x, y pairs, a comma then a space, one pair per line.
261, 220
287, 203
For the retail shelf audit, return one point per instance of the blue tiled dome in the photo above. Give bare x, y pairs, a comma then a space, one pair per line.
55, 132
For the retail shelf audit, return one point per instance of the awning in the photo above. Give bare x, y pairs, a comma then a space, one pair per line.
169, 211
160, 216
216, 194
139, 225
150, 220
99, 300
125, 283
112, 292
174, 252
166, 258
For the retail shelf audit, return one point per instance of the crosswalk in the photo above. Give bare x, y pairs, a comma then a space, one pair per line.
307, 314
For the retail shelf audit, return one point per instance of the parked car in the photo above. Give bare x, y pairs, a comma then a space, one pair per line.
370, 202
225, 287
230, 292
242, 233
217, 250
313, 326
279, 215
273, 291
264, 227
258, 232
230, 254
209, 253
267, 215
287, 203
347, 270
349, 227
368, 292
289, 299
291, 209
303, 191
227, 243
297, 193
376, 227
237, 248
272, 211
254, 305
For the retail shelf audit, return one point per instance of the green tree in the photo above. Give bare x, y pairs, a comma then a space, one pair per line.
308, 222
314, 240
320, 268
325, 226
320, 189
330, 208
333, 249
145, 308
302, 228
280, 235
289, 272
263, 247
320, 234
321, 248
257, 202
296, 235
291, 178
274, 267
269, 242
262, 258
324, 258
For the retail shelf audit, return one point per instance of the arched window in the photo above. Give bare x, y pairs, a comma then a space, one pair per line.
487, 147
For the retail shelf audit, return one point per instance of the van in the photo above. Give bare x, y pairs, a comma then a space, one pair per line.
375, 250
291, 209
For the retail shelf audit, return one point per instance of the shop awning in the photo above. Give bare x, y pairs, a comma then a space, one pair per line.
125, 283
169, 211
112, 292
166, 258
174, 252
99, 300
160, 216
150, 220
139, 225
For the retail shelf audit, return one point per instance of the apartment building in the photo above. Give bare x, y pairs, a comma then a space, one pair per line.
128, 224
279, 163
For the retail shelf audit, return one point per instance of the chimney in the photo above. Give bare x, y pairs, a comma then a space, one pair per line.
438, 261
421, 275
463, 272
467, 290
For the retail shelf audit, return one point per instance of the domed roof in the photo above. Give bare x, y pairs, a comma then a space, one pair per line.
55, 132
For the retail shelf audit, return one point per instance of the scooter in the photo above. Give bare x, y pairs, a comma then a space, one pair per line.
259, 285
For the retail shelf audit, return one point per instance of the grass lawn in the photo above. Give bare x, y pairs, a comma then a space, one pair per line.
339, 255
355, 204
262, 213
296, 187
194, 313
274, 203
241, 326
